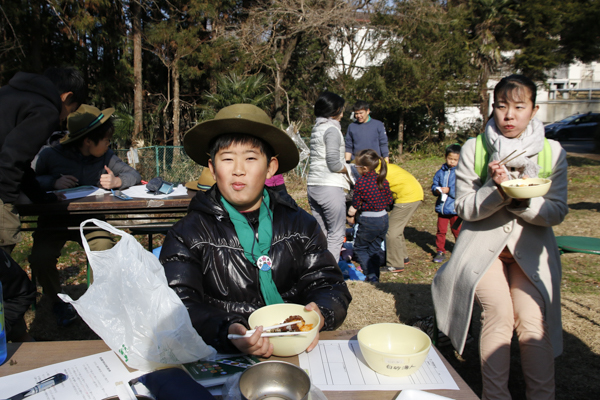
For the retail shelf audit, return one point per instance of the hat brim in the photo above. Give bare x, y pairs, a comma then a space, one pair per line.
197, 139
107, 114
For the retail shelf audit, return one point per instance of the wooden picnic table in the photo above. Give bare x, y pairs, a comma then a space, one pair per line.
26, 356
133, 212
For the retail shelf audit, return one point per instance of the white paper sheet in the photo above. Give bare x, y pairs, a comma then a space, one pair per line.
89, 378
140, 191
339, 365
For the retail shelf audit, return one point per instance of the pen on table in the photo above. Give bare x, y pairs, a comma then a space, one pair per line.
40, 386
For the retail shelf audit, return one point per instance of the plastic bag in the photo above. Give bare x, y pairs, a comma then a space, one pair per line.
132, 308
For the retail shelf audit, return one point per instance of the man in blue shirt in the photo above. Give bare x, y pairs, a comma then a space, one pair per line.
366, 133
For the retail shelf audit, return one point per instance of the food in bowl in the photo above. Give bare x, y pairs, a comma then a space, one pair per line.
526, 188
301, 326
393, 349
286, 346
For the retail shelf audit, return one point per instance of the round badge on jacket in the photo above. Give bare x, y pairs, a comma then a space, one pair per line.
264, 263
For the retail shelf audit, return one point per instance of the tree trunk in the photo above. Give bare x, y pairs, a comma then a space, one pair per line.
442, 123
176, 110
400, 132
137, 73
280, 76
484, 98
36, 40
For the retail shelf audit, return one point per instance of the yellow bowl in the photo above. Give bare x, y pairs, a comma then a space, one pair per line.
520, 189
393, 349
285, 346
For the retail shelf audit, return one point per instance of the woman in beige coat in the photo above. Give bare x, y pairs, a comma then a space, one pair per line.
506, 255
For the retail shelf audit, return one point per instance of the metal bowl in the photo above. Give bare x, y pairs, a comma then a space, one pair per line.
274, 380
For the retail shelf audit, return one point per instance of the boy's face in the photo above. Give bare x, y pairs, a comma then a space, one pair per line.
362, 115
452, 160
99, 149
240, 172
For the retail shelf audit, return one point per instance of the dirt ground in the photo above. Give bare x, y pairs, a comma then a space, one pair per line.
406, 297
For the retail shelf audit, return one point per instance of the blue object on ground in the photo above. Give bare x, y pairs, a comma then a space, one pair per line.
350, 272
156, 251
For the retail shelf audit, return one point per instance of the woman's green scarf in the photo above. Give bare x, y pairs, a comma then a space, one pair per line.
257, 254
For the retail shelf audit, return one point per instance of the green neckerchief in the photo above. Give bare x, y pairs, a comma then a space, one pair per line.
252, 251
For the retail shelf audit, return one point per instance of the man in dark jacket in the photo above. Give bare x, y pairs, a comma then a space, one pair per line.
243, 246
31, 108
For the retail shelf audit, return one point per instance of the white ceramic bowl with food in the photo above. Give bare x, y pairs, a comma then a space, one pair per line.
286, 346
393, 349
527, 188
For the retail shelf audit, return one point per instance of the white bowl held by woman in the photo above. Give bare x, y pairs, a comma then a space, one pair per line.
527, 188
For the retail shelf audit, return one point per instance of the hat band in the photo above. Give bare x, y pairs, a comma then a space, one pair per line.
91, 125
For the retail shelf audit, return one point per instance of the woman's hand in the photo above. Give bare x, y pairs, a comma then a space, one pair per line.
254, 344
65, 182
309, 307
499, 173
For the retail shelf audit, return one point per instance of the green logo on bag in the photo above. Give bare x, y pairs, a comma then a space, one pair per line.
123, 351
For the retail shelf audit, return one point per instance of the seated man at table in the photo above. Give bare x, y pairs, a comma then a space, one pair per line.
243, 246
82, 158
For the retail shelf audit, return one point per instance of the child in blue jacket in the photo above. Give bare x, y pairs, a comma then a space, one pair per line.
444, 186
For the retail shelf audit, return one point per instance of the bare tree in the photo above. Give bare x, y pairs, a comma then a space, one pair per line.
273, 30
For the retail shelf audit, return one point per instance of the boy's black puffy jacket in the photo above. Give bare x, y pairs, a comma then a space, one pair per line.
205, 265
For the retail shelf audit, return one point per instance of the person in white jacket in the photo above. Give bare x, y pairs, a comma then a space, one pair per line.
326, 182
506, 256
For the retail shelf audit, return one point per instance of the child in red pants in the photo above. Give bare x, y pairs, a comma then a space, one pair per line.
444, 186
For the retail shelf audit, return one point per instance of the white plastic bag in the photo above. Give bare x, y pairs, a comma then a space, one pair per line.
132, 308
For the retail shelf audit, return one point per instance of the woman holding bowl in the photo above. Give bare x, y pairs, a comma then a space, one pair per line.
506, 256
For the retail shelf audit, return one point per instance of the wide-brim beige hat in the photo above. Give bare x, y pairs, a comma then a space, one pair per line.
203, 183
84, 120
241, 118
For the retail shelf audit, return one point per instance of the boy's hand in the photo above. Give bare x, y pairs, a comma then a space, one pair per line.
65, 182
109, 180
445, 190
255, 345
313, 306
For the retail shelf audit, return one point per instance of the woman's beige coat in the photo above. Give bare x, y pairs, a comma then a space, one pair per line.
490, 224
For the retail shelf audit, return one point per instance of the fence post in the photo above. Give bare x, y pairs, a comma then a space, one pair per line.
156, 156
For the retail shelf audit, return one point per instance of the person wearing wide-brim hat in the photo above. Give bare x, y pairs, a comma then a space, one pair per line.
243, 246
87, 119
83, 158
242, 119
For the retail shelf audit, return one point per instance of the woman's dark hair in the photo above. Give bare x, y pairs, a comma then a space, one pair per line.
453, 149
514, 83
370, 159
96, 135
329, 105
228, 139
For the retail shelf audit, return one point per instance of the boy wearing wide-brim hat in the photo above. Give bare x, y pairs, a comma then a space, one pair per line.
82, 158
243, 246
